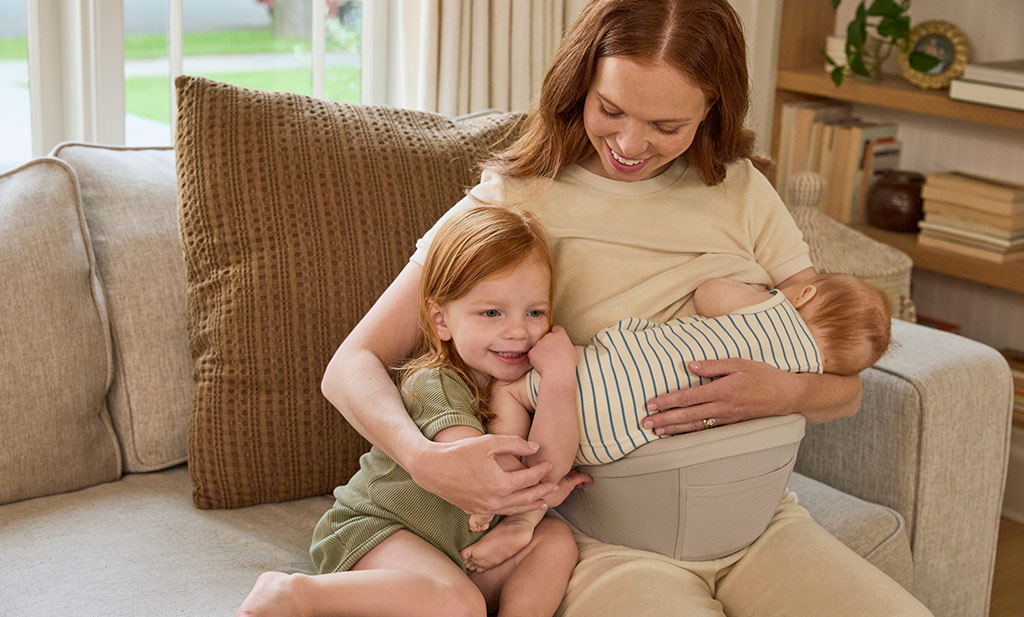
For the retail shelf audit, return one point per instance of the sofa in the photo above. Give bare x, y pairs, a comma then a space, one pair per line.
156, 456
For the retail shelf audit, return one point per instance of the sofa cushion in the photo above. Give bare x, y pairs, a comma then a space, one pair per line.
296, 214
129, 196
55, 351
138, 547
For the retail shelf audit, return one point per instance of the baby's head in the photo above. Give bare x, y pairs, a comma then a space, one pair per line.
848, 318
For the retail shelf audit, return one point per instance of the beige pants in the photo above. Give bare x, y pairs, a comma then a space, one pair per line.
795, 568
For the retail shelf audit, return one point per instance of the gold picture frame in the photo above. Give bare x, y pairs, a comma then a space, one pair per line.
943, 40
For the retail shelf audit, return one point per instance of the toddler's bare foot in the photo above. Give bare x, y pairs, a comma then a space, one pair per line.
480, 522
273, 595
511, 535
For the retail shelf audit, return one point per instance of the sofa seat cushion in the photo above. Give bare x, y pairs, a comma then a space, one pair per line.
139, 547
55, 350
877, 533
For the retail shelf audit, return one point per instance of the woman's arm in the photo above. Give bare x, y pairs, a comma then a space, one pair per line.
744, 389
463, 472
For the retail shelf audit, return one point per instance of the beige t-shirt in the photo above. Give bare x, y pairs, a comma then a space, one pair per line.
640, 249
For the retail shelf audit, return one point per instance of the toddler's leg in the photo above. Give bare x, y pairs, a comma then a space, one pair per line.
404, 575
534, 580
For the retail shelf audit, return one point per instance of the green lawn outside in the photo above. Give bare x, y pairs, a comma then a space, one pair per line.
149, 97
144, 47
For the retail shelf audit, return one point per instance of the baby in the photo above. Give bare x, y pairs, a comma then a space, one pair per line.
833, 323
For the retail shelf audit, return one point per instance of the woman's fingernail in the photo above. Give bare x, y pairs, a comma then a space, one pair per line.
652, 407
659, 431
648, 425
695, 366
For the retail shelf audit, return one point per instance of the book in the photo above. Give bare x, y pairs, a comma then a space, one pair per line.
975, 202
968, 250
974, 237
936, 207
974, 226
987, 94
1004, 72
977, 185
862, 135
795, 120
831, 157
804, 136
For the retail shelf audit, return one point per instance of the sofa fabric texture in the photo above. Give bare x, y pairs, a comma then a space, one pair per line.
128, 197
295, 214
55, 351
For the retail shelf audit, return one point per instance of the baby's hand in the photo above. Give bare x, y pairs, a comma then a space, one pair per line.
554, 352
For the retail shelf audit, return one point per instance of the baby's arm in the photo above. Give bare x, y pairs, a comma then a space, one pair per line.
720, 296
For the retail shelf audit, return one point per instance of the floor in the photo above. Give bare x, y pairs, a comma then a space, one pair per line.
1007, 587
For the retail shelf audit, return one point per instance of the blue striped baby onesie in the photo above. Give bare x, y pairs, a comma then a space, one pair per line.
637, 359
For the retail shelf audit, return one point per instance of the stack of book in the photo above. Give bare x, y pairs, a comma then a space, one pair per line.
975, 216
823, 137
991, 83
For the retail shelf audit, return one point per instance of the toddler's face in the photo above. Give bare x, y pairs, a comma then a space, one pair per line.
499, 321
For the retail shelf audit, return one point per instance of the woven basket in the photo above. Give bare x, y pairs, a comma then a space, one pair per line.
836, 247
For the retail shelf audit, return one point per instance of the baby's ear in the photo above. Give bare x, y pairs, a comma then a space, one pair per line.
440, 325
806, 293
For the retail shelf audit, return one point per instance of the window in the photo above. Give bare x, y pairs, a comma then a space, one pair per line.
261, 44
16, 144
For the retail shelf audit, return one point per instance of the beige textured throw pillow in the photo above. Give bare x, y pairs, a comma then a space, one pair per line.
129, 197
55, 353
296, 213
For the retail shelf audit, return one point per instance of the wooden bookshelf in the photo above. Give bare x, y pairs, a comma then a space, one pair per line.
1005, 276
892, 92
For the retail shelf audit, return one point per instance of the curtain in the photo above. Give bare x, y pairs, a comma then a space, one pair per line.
458, 56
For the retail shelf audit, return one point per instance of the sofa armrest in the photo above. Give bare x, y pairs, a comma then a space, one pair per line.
931, 440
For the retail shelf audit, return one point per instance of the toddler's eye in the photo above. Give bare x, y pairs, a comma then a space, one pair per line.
535, 313
491, 313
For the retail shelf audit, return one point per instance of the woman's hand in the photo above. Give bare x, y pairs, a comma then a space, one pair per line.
466, 474
745, 389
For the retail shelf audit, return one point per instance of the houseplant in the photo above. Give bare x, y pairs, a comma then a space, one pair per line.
865, 53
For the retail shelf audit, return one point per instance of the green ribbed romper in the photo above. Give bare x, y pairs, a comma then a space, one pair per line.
382, 498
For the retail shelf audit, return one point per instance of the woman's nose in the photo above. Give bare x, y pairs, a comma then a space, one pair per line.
632, 142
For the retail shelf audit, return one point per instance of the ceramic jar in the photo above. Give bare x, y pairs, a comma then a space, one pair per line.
894, 200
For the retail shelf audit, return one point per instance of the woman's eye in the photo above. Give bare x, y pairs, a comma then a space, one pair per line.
610, 114
491, 313
665, 131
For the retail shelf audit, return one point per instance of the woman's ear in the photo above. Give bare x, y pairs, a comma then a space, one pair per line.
440, 325
804, 295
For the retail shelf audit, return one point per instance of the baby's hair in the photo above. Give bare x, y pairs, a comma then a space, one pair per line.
851, 322
472, 245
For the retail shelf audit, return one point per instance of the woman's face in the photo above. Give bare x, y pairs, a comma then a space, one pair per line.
639, 118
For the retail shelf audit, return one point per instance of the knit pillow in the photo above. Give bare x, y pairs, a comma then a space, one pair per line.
296, 213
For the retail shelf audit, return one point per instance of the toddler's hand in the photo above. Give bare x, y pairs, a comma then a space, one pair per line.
554, 352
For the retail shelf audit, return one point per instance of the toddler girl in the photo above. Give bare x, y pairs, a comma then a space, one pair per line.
387, 546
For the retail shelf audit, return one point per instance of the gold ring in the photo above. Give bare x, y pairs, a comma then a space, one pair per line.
708, 422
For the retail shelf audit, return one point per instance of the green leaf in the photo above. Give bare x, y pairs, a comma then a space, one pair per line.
837, 76
857, 31
884, 8
894, 28
920, 61
857, 65
828, 58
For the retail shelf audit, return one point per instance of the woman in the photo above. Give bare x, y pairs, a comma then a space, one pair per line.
637, 163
